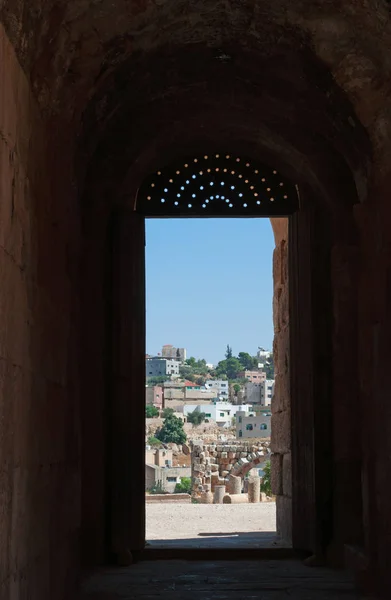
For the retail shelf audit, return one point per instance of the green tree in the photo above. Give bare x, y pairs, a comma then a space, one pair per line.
172, 431
167, 412
266, 486
153, 441
228, 352
192, 369
196, 417
184, 487
247, 361
151, 411
229, 367
237, 387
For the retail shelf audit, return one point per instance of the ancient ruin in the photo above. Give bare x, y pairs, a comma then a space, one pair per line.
220, 465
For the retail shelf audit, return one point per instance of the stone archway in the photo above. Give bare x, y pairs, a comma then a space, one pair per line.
244, 465
212, 464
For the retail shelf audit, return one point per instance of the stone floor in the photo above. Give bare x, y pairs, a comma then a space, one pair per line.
219, 580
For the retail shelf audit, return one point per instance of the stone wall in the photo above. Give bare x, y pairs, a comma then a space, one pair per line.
213, 463
281, 416
39, 420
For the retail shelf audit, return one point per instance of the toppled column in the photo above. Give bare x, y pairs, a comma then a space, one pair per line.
219, 494
254, 489
235, 484
235, 499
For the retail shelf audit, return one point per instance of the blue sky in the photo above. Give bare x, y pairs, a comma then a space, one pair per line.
209, 284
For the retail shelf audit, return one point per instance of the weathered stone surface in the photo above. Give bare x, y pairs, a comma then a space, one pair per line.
276, 473
254, 490
235, 499
219, 493
281, 428
286, 475
284, 523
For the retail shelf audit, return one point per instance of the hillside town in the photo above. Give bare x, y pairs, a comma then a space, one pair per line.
206, 422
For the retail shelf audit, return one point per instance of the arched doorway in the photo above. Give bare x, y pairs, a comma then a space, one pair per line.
192, 187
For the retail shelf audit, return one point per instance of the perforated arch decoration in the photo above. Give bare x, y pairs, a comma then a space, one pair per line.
215, 185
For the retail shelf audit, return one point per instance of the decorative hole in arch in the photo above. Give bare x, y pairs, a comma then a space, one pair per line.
215, 185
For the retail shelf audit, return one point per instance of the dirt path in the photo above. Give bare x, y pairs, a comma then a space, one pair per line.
184, 521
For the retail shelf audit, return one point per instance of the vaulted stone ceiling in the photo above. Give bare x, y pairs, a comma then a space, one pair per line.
297, 81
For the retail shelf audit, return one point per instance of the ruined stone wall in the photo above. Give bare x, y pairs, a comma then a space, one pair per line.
212, 464
281, 415
39, 436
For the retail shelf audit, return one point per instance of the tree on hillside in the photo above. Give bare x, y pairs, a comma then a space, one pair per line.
153, 441
237, 387
151, 411
172, 431
196, 417
192, 368
229, 367
247, 361
167, 412
228, 352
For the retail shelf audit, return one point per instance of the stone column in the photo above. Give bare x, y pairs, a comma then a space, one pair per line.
235, 499
235, 484
219, 494
206, 498
254, 489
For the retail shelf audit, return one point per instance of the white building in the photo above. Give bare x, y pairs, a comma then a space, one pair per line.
267, 391
221, 386
220, 412
157, 366
263, 356
252, 425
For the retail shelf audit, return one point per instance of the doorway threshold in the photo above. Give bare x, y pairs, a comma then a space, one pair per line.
220, 553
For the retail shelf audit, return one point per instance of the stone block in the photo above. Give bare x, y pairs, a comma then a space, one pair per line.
276, 473
284, 518
281, 400
287, 475
281, 428
207, 497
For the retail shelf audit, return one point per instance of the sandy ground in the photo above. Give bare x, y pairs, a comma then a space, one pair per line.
185, 521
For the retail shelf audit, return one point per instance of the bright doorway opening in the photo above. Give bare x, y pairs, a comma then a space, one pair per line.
209, 383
